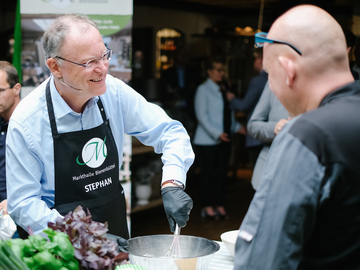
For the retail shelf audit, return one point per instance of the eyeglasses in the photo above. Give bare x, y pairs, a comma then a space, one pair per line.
219, 69
3, 89
92, 63
261, 38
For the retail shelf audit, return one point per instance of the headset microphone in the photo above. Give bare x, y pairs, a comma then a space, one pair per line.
62, 81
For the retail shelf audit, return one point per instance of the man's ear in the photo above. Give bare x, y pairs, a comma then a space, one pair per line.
17, 88
289, 68
54, 67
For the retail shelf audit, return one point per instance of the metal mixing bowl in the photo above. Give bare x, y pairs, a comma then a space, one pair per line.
150, 252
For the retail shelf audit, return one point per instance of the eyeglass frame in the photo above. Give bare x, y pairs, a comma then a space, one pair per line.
85, 65
4, 89
265, 39
219, 69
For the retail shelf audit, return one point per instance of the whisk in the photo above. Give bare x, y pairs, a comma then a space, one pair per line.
174, 250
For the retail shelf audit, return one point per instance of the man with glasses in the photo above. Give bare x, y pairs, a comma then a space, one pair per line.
9, 99
65, 138
305, 213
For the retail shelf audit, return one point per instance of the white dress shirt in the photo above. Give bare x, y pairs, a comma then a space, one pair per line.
30, 153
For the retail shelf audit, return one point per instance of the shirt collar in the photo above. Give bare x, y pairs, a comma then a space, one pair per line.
61, 108
346, 90
213, 86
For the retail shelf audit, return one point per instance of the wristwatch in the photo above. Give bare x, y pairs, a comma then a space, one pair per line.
175, 182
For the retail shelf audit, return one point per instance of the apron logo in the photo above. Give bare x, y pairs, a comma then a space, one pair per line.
93, 153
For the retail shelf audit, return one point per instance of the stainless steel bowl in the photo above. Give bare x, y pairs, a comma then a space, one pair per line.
150, 252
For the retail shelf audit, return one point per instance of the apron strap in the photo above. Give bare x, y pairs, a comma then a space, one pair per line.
102, 110
50, 108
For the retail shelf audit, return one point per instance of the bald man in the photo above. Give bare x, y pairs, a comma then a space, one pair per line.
305, 213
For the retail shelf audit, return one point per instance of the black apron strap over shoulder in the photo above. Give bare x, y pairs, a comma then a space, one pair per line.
50, 108
52, 115
102, 111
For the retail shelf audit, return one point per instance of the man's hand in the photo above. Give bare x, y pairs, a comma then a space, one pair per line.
177, 205
224, 137
280, 125
3, 207
230, 95
242, 130
123, 245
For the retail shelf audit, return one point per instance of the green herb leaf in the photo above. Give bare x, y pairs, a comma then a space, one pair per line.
47, 261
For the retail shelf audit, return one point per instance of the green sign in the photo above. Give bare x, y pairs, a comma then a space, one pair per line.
110, 24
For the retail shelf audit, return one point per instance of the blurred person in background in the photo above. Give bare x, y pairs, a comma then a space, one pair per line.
179, 84
356, 65
266, 121
9, 99
216, 124
248, 103
350, 44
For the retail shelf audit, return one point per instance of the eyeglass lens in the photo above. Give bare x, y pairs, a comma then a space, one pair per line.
258, 40
104, 58
261, 38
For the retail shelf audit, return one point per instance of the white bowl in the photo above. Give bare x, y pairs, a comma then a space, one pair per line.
229, 240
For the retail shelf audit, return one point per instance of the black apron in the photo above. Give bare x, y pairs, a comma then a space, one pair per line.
87, 173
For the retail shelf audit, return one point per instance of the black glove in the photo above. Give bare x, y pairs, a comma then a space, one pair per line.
177, 206
122, 243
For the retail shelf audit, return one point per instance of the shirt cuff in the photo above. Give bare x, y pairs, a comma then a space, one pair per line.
174, 172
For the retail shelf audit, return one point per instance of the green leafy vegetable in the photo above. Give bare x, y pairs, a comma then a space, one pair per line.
92, 248
36, 253
8, 260
74, 241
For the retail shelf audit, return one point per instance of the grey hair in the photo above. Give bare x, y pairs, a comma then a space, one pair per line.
55, 35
